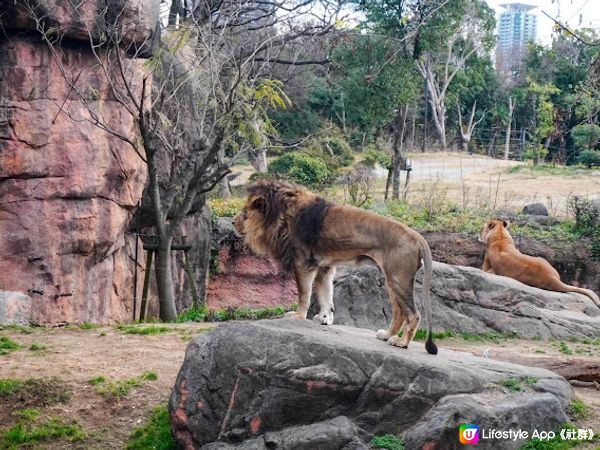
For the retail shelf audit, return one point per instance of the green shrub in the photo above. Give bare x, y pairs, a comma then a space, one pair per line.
300, 168
339, 149
387, 441
374, 156
193, 315
589, 158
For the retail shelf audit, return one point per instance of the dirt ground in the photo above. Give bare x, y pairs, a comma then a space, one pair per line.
75, 356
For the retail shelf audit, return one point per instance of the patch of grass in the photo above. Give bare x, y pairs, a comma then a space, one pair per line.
102, 334
35, 347
155, 434
193, 315
34, 391
28, 414
537, 350
512, 384
589, 341
388, 442
226, 207
577, 409
564, 348
20, 328
88, 326
8, 345
143, 330
530, 380
421, 335
97, 380
121, 388
27, 432
549, 169
9, 386
555, 443
240, 313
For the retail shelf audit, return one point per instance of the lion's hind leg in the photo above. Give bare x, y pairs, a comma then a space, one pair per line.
324, 290
405, 314
395, 324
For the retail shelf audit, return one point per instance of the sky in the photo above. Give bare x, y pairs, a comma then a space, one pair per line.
574, 13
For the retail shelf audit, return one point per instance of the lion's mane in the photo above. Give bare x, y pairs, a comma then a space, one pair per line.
289, 220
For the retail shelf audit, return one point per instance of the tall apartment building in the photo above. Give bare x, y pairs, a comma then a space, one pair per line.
516, 28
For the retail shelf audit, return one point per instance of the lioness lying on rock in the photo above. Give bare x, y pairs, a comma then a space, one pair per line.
503, 258
310, 236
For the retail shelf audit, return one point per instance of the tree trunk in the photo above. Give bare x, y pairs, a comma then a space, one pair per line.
224, 183
511, 107
397, 146
164, 279
259, 160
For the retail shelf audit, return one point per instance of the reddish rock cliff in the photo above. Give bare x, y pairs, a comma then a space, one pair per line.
67, 188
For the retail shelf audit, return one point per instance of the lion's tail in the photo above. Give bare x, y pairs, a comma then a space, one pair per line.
588, 293
427, 276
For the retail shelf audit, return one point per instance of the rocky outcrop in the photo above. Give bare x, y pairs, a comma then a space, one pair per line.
465, 299
292, 384
134, 22
67, 188
239, 278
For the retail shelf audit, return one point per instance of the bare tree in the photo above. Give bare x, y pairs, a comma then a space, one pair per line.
466, 130
208, 82
471, 35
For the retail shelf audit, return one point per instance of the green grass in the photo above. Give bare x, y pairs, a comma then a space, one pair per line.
530, 380
193, 315
421, 335
35, 347
241, 313
143, 330
9, 386
556, 443
8, 345
121, 388
564, 348
88, 326
97, 380
29, 432
387, 441
577, 409
155, 434
512, 384
549, 169
35, 391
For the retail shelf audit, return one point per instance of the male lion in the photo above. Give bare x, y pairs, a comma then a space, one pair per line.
503, 258
310, 236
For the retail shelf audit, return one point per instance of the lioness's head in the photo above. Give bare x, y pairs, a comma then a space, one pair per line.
492, 228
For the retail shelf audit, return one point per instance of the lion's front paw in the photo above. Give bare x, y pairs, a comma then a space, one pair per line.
324, 318
396, 341
383, 335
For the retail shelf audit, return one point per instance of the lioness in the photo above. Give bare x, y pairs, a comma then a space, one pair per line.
310, 236
503, 258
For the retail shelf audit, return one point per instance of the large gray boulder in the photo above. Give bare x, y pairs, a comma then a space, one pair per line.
293, 384
465, 299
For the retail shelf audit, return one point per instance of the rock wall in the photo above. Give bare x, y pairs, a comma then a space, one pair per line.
67, 188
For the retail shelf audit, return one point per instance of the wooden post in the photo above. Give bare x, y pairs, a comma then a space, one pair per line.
146, 285
188, 270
